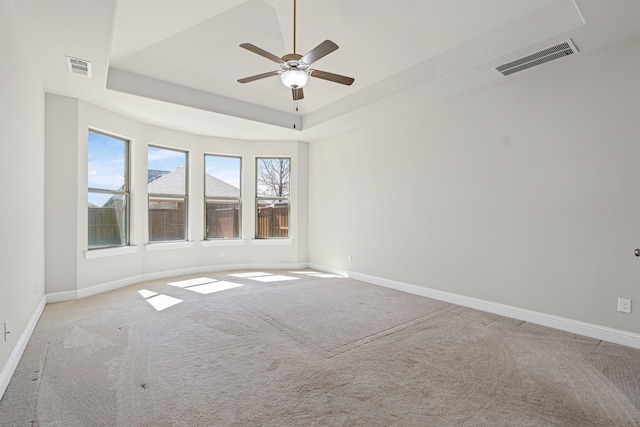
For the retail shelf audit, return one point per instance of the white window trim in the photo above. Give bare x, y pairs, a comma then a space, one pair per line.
109, 252
285, 241
185, 197
215, 241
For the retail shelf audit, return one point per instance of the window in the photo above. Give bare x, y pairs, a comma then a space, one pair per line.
108, 191
167, 188
272, 197
222, 196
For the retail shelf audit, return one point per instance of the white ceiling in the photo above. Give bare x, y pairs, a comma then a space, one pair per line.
176, 63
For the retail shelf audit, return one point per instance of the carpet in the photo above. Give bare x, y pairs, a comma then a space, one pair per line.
302, 348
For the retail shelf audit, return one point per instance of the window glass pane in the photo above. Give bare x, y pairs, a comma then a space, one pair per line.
167, 188
272, 177
107, 160
223, 219
272, 218
222, 177
166, 219
107, 199
107, 220
166, 171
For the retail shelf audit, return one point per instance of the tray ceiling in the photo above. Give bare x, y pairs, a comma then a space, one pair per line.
176, 64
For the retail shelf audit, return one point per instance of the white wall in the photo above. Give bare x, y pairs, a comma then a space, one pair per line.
91, 275
61, 123
525, 194
21, 191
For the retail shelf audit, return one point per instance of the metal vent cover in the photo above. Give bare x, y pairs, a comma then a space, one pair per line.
552, 53
79, 66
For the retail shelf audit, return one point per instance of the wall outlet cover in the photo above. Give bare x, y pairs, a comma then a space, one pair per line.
624, 305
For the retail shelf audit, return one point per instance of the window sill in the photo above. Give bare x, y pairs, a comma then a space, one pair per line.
109, 252
152, 247
223, 242
272, 242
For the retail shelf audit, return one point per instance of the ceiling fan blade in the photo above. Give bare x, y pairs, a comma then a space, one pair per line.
258, 76
297, 94
261, 52
336, 78
320, 51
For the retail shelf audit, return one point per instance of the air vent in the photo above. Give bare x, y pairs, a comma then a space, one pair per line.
79, 66
545, 55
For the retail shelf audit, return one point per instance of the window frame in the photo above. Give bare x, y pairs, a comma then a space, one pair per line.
185, 197
258, 198
125, 192
221, 198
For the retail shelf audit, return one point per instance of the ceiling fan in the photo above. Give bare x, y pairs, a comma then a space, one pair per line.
294, 68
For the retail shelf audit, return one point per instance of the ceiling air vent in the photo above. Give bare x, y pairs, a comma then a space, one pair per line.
545, 55
79, 66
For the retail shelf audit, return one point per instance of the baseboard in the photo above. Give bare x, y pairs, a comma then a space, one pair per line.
11, 365
132, 280
590, 330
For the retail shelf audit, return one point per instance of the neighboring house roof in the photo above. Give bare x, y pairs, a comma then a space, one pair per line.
217, 187
153, 174
171, 183
174, 183
91, 205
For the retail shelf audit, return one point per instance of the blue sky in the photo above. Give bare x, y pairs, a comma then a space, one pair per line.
164, 159
106, 164
226, 169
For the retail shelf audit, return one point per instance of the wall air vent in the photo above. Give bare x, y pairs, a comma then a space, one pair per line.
79, 66
545, 55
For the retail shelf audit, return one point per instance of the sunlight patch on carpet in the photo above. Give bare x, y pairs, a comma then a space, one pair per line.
250, 274
162, 302
145, 293
210, 288
274, 278
192, 282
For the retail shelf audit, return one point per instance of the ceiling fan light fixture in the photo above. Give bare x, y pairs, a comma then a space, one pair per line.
294, 78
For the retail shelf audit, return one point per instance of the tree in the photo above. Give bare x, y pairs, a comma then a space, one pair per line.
273, 177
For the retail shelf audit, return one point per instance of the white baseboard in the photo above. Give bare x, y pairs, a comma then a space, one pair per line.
590, 330
132, 280
11, 365
564, 324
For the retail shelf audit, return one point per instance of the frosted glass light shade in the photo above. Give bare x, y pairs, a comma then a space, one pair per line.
294, 78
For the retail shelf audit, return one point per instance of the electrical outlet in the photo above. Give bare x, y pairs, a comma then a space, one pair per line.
221, 254
349, 259
624, 305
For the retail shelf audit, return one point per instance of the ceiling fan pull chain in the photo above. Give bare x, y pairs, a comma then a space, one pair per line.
295, 110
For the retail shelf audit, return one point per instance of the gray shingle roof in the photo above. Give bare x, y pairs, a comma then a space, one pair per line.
217, 188
174, 183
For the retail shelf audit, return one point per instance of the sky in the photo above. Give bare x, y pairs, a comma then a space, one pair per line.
164, 159
224, 168
106, 164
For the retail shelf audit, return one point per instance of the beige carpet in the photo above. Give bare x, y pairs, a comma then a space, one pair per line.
298, 349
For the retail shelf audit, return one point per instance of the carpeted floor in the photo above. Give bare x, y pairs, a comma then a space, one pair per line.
307, 349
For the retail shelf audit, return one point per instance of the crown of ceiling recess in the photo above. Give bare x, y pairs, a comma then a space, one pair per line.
177, 64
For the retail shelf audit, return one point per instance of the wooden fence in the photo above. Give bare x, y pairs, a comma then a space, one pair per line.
167, 224
106, 226
273, 222
222, 222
